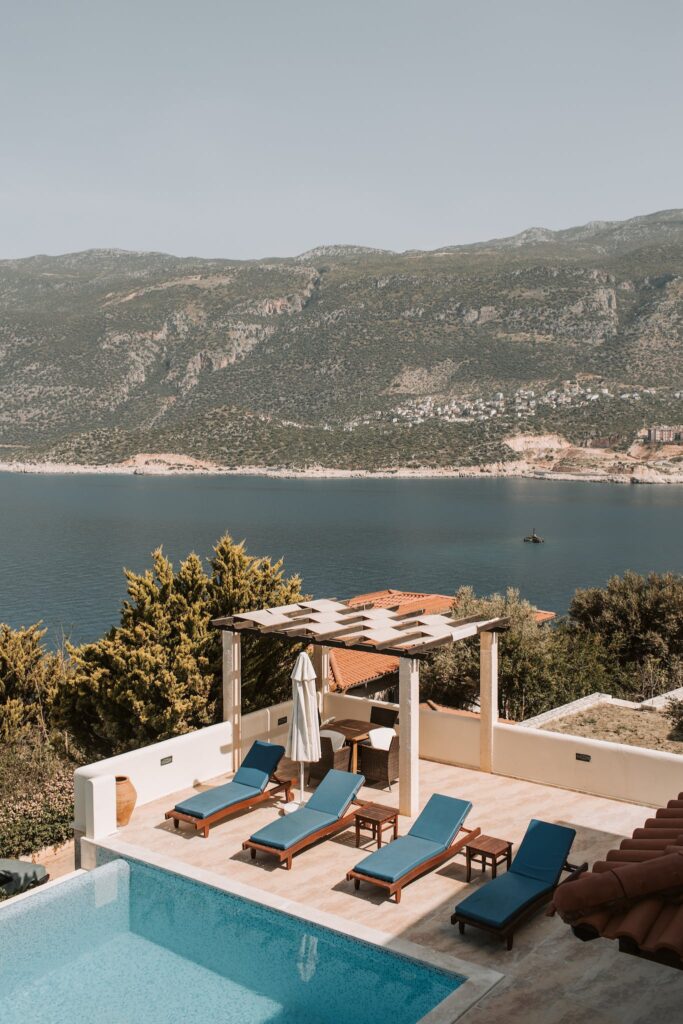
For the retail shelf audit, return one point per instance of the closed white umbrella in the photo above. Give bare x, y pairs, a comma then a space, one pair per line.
303, 740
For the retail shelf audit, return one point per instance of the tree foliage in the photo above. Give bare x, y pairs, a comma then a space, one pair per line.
638, 622
539, 666
30, 678
158, 673
451, 675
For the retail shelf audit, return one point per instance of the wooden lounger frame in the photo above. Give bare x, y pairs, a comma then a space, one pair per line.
204, 824
506, 931
395, 888
285, 856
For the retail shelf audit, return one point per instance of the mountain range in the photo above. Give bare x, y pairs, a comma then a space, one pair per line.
345, 356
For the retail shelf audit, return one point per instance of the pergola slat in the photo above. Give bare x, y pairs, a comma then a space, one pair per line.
361, 628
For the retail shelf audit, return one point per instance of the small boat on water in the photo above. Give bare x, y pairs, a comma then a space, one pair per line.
533, 538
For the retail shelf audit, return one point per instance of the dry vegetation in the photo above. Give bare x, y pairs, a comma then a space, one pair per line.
621, 725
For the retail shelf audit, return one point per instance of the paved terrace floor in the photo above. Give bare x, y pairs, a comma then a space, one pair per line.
550, 977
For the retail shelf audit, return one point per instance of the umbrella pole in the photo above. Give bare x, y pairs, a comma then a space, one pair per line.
301, 783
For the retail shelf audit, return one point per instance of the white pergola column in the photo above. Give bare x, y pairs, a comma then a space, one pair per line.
321, 663
488, 697
409, 746
232, 691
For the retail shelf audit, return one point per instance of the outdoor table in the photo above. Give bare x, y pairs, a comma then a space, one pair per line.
354, 731
376, 818
486, 849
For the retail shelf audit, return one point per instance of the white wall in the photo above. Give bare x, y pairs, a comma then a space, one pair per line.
196, 757
271, 724
451, 739
342, 705
649, 777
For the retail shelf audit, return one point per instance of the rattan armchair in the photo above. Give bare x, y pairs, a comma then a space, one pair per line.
330, 758
387, 717
379, 765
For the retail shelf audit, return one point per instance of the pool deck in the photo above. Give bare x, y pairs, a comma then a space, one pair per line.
550, 977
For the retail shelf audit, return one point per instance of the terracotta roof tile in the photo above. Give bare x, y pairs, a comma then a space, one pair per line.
406, 600
634, 895
353, 668
413, 600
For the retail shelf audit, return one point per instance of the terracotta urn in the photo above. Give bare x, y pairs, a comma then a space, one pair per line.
126, 796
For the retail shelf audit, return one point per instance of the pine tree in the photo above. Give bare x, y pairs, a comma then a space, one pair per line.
29, 680
158, 673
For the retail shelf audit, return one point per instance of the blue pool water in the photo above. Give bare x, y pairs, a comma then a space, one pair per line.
129, 944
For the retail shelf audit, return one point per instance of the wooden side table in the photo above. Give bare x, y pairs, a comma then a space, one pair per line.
376, 818
486, 850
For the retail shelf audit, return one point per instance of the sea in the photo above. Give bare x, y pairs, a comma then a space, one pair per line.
65, 539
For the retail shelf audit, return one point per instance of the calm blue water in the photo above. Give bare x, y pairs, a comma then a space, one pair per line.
65, 539
128, 944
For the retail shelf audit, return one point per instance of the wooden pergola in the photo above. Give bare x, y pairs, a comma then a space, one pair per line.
409, 636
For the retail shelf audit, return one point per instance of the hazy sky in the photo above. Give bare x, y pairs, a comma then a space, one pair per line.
265, 127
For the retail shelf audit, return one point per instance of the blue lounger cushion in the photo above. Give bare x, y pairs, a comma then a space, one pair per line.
433, 831
535, 870
335, 792
292, 828
497, 901
396, 859
441, 819
259, 764
249, 782
216, 799
327, 805
543, 851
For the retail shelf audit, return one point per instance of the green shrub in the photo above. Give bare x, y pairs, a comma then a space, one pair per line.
674, 712
36, 799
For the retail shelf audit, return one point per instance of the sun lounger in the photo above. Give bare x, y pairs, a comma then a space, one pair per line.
19, 875
436, 836
325, 813
504, 903
247, 789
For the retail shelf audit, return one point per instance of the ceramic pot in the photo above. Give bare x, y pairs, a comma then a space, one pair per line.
126, 797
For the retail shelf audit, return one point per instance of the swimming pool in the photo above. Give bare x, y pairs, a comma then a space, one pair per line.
131, 944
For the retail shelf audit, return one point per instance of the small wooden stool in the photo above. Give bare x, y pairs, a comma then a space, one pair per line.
487, 850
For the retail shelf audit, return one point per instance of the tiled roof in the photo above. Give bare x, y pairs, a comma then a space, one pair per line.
412, 600
542, 616
353, 668
634, 895
407, 601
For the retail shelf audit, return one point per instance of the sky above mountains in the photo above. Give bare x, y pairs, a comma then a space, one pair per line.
255, 128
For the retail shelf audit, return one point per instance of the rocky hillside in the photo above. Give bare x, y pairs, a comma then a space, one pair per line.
345, 356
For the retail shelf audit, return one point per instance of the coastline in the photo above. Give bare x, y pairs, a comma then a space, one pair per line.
167, 464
